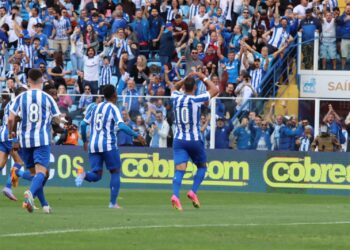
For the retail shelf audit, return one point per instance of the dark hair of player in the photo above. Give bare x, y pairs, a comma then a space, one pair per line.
189, 84
34, 75
109, 91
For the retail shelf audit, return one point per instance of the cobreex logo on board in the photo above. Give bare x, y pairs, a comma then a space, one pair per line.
294, 172
150, 169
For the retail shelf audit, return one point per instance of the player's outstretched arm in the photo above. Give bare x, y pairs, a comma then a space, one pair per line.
122, 126
211, 88
11, 125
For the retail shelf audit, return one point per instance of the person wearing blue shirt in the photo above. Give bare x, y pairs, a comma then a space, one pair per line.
156, 28
262, 140
167, 45
243, 135
118, 22
124, 138
308, 26
131, 99
222, 133
44, 42
288, 134
332, 120
140, 26
231, 65
344, 22
99, 26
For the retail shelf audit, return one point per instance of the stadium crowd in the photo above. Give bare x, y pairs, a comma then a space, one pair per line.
144, 46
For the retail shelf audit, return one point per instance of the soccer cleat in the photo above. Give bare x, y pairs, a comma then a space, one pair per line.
80, 178
47, 209
116, 206
28, 201
176, 203
194, 198
8, 193
14, 177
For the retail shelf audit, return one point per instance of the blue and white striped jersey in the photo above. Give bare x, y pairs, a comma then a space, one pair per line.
103, 121
36, 108
279, 37
3, 129
187, 109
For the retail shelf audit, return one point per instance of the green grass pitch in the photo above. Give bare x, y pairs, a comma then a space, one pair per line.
226, 220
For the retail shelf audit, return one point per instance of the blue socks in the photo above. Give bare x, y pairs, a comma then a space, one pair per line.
114, 186
179, 174
37, 183
198, 178
41, 197
92, 177
9, 182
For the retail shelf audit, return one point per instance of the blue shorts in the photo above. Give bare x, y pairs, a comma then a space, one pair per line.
110, 158
184, 150
6, 146
38, 155
328, 50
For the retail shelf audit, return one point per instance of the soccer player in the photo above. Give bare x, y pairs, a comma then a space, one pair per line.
37, 110
6, 150
103, 120
187, 139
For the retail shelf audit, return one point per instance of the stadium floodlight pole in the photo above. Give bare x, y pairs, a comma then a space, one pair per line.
212, 122
316, 50
317, 116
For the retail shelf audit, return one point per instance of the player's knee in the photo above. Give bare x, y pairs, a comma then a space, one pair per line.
181, 167
41, 169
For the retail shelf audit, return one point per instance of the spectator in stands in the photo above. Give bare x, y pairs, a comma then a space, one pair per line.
222, 133
77, 50
2, 15
192, 60
123, 138
106, 74
140, 72
288, 134
16, 73
243, 135
300, 10
61, 31
305, 141
10, 19
156, 25
180, 30
308, 26
279, 35
64, 100
140, 128
91, 69
235, 43
85, 99
228, 102
328, 47
344, 22
245, 21
332, 120
33, 20
44, 42
167, 44
205, 129
131, 100
159, 131
94, 4
140, 26
244, 91
262, 139
325, 141
90, 38
230, 65
198, 19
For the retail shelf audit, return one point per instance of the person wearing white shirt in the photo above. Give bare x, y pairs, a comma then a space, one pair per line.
300, 10
13, 38
159, 131
197, 20
33, 20
244, 91
91, 68
2, 15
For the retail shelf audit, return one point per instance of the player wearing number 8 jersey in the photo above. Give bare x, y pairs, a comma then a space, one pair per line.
103, 120
37, 110
187, 142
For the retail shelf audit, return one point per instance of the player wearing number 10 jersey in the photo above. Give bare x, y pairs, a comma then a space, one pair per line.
37, 111
187, 142
104, 119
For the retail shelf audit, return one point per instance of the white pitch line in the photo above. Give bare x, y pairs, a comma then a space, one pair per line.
167, 226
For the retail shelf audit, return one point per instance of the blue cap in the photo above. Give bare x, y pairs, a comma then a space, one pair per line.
168, 25
26, 37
